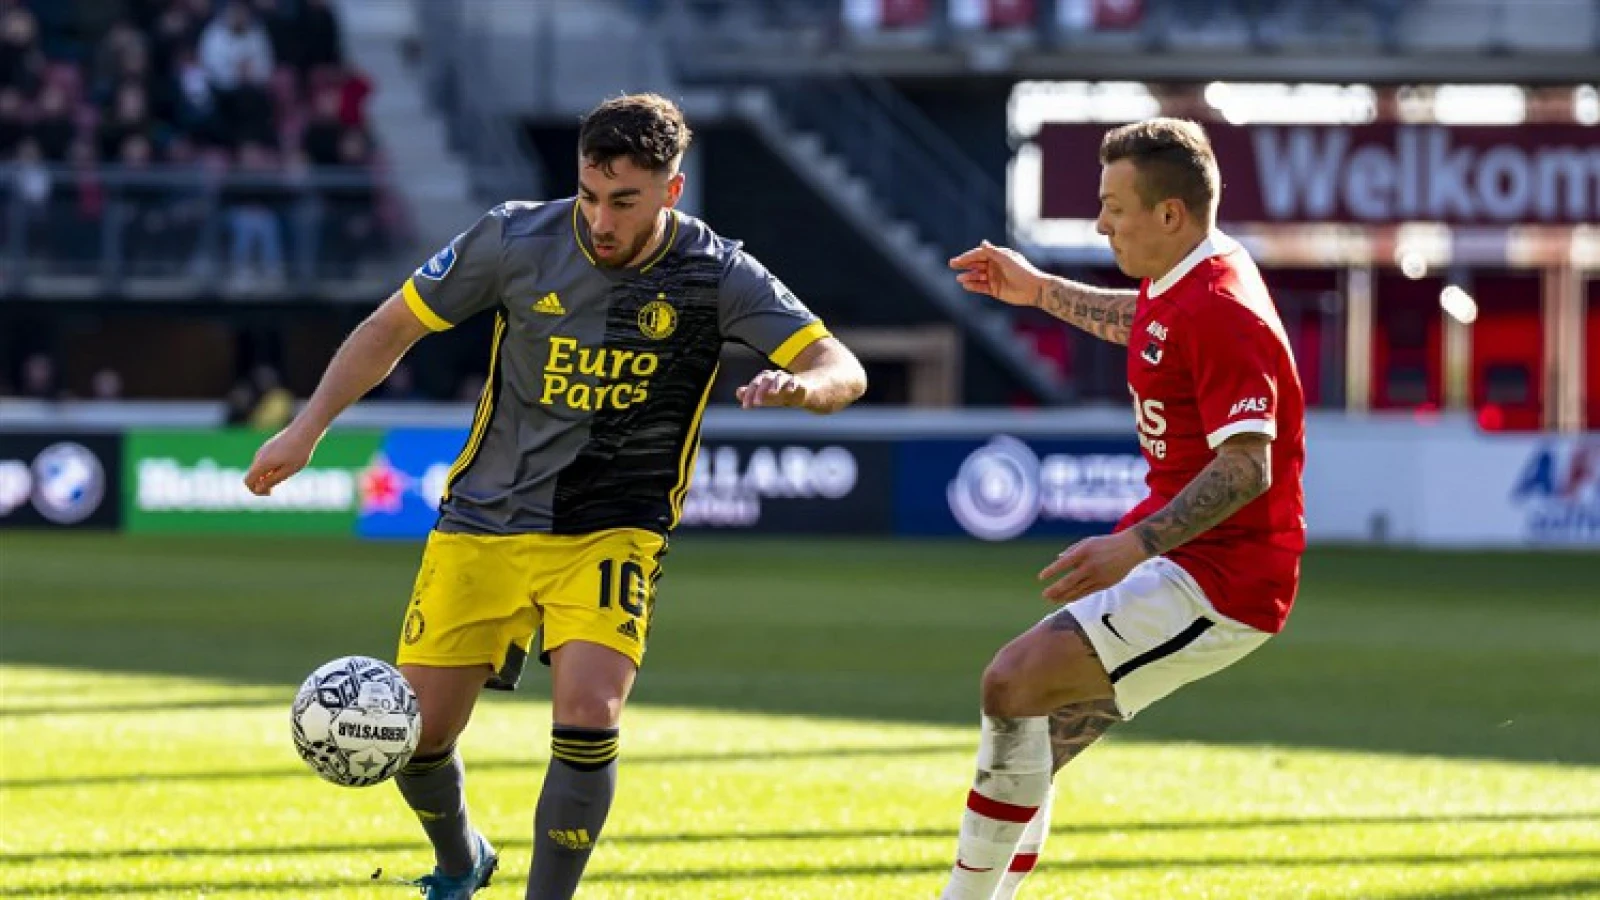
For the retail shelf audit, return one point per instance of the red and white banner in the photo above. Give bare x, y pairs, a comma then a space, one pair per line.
1366, 175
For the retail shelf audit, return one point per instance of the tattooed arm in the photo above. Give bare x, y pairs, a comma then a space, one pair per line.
1106, 314
1004, 274
1241, 472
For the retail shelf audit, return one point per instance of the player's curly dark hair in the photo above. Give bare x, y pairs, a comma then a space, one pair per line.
646, 129
1174, 159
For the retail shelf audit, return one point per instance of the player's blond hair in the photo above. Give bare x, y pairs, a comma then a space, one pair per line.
1174, 160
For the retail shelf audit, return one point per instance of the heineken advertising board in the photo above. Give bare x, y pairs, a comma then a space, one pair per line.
192, 482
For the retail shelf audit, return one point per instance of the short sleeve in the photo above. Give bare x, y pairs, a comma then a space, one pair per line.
461, 279
1235, 361
757, 309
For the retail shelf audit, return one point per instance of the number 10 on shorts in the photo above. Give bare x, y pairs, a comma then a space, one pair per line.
625, 584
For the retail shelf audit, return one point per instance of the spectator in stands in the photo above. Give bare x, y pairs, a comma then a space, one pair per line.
21, 59
14, 126
253, 203
112, 59
40, 380
144, 207
54, 127
77, 207
283, 32
30, 179
193, 107
129, 117
135, 68
106, 385
350, 229
274, 405
238, 404
235, 49
323, 43
91, 19
237, 57
175, 32
320, 139
400, 386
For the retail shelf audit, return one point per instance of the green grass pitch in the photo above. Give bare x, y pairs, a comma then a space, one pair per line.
1428, 727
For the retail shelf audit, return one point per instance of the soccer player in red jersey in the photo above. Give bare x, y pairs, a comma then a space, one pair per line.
1206, 568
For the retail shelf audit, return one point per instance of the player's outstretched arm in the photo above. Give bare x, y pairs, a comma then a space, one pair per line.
1007, 276
365, 359
1240, 472
824, 378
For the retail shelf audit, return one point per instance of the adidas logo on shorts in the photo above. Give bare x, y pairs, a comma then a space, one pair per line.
629, 629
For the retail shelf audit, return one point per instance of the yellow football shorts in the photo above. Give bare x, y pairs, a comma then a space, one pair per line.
481, 598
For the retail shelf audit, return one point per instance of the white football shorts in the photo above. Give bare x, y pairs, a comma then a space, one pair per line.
1155, 632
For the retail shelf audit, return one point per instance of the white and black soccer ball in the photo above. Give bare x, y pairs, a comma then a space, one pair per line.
356, 721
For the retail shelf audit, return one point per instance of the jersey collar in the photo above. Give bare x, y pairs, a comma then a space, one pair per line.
1215, 244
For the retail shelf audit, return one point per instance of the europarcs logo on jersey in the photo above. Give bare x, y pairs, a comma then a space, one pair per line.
1003, 488
590, 379
66, 483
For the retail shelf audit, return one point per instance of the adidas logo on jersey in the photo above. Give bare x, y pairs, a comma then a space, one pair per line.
550, 305
629, 630
572, 838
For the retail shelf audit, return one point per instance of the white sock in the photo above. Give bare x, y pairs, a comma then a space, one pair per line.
1013, 782
1028, 850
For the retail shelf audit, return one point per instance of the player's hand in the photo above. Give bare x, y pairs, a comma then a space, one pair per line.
286, 453
1092, 564
1000, 272
773, 388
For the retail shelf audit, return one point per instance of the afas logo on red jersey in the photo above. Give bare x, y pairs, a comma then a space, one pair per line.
1150, 416
1249, 404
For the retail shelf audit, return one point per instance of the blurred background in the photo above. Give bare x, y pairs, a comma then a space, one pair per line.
201, 197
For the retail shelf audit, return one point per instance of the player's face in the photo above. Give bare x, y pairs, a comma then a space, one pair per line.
1137, 232
623, 207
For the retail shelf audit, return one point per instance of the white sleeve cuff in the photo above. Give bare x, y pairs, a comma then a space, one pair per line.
1243, 426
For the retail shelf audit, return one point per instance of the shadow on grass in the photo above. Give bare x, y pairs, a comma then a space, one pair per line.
1545, 889
634, 760
639, 840
113, 709
1386, 652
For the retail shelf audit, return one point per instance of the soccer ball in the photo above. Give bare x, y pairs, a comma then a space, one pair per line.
356, 721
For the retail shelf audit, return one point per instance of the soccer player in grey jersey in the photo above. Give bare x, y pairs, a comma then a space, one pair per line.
610, 310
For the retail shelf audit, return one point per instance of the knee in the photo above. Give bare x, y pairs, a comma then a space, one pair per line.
1006, 688
589, 709
436, 737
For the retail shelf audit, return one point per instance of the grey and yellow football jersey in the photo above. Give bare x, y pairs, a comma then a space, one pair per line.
598, 377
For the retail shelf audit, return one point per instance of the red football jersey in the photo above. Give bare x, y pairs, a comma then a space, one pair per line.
1208, 359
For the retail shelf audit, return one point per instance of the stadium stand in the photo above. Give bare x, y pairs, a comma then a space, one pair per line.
213, 152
